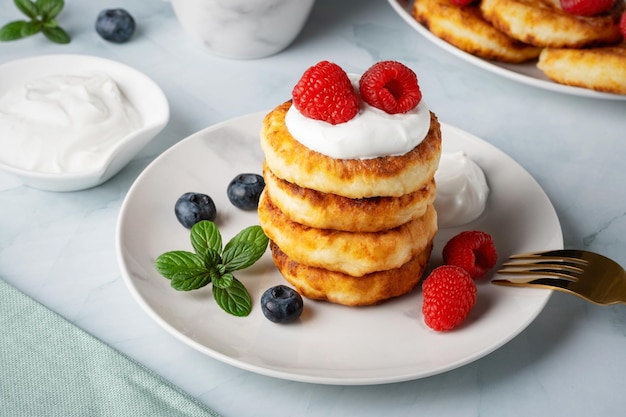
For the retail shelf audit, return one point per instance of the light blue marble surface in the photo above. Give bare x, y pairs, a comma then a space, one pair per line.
571, 361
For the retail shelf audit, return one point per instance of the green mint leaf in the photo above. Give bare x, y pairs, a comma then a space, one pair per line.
27, 7
30, 28
190, 279
238, 256
205, 236
49, 9
56, 34
245, 248
41, 14
171, 263
211, 258
51, 23
234, 299
12, 31
223, 280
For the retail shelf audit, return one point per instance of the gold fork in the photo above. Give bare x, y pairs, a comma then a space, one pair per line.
588, 275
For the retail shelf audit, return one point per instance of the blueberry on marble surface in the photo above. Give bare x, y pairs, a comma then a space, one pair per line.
192, 207
281, 304
244, 191
115, 25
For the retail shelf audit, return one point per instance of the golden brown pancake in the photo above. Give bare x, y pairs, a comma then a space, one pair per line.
544, 23
465, 28
331, 211
601, 69
351, 253
389, 176
373, 288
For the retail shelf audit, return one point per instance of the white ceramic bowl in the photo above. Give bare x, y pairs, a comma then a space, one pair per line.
144, 94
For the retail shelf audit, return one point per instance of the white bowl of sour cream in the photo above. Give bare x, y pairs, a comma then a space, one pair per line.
71, 122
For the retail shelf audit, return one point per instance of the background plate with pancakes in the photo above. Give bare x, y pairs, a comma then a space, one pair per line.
526, 73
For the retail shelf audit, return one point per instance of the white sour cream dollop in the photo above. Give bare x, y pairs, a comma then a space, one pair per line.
462, 190
372, 133
64, 123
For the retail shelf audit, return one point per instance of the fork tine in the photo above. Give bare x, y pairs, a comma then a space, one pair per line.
563, 266
547, 283
540, 266
550, 283
568, 257
542, 272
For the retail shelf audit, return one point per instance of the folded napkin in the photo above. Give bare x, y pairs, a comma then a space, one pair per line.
49, 367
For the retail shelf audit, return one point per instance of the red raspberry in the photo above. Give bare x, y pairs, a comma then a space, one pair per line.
449, 295
473, 251
586, 7
622, 25
325, 93
462, 2
391, 87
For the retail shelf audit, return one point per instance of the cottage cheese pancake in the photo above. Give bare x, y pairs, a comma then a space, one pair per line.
351, 253
465, 28
544, 23
336, 287
601, 69
391, 176
330, 211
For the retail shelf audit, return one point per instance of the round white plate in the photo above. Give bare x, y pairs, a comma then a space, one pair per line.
330, 344
526, 73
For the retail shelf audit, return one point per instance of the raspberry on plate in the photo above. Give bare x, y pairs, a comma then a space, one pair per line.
390, 86
462, 3
324, 92
449, 295
586, 7
471, 250
622, 25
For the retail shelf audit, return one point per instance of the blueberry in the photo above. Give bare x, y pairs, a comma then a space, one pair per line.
281, 304
190, 208
115, 25
244, 191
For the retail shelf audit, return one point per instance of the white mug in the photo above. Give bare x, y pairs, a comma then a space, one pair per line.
243, 29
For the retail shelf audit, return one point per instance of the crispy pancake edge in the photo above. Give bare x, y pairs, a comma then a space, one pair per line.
601, 69
330, 211
351, 253
465, 28
543, 23
335, 287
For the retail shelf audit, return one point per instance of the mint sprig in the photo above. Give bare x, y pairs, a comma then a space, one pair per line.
42, 15
209, 263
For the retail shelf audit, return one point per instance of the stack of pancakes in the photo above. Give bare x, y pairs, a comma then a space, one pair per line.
349, 231
580, 51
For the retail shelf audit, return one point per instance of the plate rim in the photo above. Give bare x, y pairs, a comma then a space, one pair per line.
500, 69
299, 377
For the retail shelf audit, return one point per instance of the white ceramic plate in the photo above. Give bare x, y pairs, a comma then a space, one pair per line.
145, 95
330, 344
526, 73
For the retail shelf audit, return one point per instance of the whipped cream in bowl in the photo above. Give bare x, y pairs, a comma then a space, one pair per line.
71, 122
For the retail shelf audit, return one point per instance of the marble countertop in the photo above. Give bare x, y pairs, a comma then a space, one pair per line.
59, 247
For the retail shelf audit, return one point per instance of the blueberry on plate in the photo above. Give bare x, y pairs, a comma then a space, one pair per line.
190, 208
244, 191
115, 25
281, 304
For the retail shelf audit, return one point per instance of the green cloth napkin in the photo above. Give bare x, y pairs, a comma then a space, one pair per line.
49, 367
